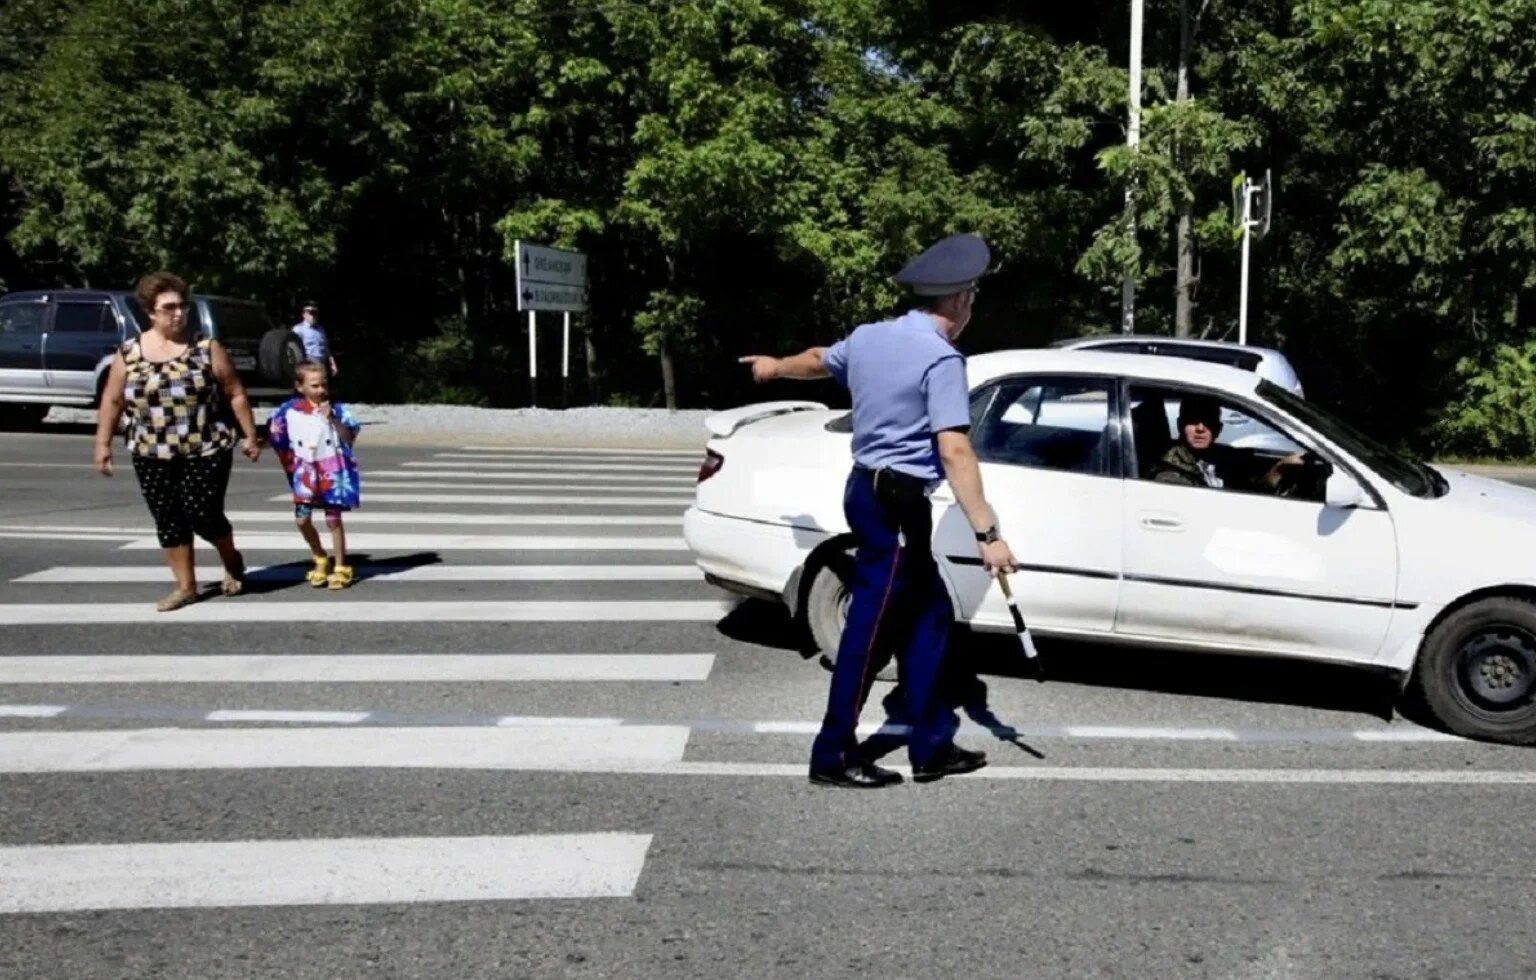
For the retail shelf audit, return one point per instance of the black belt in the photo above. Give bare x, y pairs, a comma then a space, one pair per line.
894, 481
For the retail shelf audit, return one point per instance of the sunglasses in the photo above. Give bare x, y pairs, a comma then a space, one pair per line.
173, 307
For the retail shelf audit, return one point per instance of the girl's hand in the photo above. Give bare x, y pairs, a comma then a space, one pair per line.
251, 448
104, 460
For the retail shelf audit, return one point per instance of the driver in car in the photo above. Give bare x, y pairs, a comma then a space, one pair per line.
1198, 461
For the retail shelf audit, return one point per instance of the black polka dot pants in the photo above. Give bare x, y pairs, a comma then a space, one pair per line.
186, 496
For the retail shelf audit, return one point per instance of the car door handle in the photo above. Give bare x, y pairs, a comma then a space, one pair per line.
1161, 522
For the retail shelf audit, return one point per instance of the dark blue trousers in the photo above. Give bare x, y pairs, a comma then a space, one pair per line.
898, 608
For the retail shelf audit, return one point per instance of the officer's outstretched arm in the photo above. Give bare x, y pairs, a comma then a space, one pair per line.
807, 365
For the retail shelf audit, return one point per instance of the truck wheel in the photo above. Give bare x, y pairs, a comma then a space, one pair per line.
278, 352
1477, 671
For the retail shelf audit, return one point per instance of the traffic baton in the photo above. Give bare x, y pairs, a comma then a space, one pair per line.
1025, 640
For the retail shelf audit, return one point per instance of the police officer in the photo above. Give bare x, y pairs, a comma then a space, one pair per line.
911, 422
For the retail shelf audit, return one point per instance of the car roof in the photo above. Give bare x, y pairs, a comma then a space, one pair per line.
1111, 338
1054, 360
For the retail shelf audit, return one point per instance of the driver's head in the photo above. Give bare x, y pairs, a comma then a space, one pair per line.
1199, 421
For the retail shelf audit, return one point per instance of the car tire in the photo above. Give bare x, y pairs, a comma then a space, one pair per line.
826, 601
277, 354
1476, 671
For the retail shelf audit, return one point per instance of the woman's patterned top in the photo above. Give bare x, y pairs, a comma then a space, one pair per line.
175, 404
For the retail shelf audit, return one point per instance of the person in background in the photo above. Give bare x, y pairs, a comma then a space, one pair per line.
313, 440
176, 387
317, 346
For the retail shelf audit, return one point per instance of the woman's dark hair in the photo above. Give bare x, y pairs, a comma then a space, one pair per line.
156, 283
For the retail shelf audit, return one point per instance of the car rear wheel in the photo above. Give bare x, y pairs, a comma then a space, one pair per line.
279, 351
826, 601
1477, 671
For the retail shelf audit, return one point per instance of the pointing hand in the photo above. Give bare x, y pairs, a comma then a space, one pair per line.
764, 368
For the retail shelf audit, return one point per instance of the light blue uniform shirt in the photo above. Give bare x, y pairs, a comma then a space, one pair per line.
908, 384
313, 337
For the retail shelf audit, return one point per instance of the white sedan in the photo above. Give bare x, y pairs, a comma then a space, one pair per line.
1359, 556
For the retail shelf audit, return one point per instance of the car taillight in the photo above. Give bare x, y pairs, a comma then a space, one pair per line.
711, 465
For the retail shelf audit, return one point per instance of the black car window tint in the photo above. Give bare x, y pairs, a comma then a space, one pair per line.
83, 318
21, 318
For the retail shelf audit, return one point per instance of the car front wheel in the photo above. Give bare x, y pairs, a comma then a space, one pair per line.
1477, 671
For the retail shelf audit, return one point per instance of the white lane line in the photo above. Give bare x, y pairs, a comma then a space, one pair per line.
386, 541
542, 721
364, 517
319, 611
83, 529
1095, 774
303, 717
557, 451
1151, 732
561, 500
63, 536
351, 668
578, 748
457, 461
564, 479
32, 710
1411, 735
557, 489
337, 871
384, 572
44, 466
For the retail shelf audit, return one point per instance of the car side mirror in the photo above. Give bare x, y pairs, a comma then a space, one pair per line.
1342, 492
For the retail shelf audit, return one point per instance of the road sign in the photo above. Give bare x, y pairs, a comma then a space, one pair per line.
550, 278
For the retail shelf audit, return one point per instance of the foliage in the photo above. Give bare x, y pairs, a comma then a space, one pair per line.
1495, 414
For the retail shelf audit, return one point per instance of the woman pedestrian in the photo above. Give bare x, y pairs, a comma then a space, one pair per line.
179, 389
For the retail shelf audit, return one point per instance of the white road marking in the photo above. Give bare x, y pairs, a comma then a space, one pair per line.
32, 710
62, 536
558, 451
321, 611
385, 572
1409, 735
1151, 733
338, 871
542, 721
562, 500
564, 479
578, 748
303, 717
557, 490
1107, 774
454, 461
387, 541
361, 518
351, 668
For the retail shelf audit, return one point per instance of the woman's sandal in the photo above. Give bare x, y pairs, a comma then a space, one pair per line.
176, 600
318, 575
340, 578
234, 582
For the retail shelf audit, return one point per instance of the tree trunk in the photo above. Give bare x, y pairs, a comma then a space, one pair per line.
1184, 278
668, 378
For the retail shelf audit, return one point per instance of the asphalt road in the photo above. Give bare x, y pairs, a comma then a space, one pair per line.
531, 742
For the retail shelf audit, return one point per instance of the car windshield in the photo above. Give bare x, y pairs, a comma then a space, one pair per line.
1407, 475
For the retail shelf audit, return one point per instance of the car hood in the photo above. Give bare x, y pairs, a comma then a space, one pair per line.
1482, 496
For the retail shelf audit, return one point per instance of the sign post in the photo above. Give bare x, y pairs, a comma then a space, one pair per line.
549, 279
1248, 226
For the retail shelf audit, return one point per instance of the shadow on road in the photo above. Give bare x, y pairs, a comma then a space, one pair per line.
288, 575
1212, 675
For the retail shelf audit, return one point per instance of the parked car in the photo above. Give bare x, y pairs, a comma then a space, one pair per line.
1362, 557
56, 345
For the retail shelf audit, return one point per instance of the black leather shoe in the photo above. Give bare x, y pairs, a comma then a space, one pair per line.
952, 762
863, 776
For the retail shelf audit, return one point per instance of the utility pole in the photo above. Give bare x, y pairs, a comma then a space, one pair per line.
1132, 139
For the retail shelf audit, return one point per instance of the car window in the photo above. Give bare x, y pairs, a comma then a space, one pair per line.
22, 318
1058, 424
238, 321
1245, 445
83, 318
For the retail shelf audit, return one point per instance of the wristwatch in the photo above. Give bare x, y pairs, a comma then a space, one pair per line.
988, 536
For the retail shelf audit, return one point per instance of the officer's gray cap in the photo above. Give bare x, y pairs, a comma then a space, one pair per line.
951, 265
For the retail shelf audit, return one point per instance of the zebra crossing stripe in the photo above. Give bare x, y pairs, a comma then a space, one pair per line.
385, 572
561, 478
503, 500
365, 517
350, 871
323, 611
575, 748
454, 461
347, 668
562, 451
388, 541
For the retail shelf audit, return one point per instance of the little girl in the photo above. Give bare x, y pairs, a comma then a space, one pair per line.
313, 440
